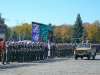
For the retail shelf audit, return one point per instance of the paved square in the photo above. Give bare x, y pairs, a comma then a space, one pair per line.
57, 66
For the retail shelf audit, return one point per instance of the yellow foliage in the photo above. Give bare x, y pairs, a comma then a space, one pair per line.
63, 32
91, 30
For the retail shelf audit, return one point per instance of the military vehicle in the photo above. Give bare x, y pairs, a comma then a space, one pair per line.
84, 50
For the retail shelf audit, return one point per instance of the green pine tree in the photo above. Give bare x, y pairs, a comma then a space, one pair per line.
78, 31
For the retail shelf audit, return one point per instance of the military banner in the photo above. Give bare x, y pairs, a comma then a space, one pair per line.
35, 32
40, 32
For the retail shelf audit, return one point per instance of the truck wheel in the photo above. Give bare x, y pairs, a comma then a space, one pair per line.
93, 57
76, 57
88, 57
81, 57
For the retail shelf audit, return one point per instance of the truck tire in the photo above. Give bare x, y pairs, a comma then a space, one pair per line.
88, 57
93, 57
76, 57
81, 57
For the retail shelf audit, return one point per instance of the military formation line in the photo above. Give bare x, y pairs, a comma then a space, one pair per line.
26, 52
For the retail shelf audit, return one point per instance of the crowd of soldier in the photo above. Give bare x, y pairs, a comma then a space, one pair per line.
64, 49
28, 52
23, 52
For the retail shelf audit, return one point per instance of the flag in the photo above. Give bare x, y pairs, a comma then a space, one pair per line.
35, 32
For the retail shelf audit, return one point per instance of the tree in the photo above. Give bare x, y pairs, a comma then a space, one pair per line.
91, 30
63, 33
78, 30
23, 31
97, 34
8, 33
3, 28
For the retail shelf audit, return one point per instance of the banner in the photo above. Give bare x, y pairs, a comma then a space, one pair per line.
41, 32
35, 32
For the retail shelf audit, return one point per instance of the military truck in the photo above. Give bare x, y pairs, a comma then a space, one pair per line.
84, 50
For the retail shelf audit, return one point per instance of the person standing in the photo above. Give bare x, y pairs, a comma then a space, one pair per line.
3, 50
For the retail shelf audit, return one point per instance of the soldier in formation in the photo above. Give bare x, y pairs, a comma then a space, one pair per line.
26, 52
63, 49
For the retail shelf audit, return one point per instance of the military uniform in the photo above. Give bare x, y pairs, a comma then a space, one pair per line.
4, 53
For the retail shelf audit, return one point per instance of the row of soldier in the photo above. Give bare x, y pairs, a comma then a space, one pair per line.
24, 52
64, 49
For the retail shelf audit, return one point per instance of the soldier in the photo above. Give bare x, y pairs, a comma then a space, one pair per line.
8, 49
29, 52
23, 53
41, 51
34, 50
16, 51
23, 50
45, 51
37, 51
20, 52
18, 55
3, 50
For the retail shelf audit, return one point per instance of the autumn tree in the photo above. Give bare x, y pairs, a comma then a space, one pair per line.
97, 34
23, 31
62, 33
93, 32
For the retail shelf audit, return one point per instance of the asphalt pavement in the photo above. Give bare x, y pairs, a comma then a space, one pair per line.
56, 66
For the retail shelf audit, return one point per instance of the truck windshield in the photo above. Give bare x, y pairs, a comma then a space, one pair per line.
83, 46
